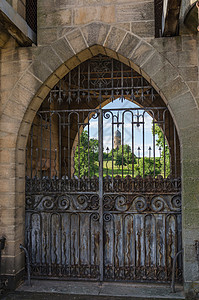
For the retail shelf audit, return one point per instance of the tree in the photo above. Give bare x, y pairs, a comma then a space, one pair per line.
160, 142
127, 155
86, 155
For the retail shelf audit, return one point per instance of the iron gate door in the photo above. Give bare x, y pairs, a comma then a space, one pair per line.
92, 211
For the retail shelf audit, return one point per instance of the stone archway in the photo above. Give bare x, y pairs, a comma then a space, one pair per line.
52, 63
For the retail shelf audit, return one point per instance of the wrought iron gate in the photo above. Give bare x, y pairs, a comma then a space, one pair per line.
103, 212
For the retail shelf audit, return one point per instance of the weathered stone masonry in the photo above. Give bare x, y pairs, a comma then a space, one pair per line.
69, 32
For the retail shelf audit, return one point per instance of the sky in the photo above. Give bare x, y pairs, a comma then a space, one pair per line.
138, 131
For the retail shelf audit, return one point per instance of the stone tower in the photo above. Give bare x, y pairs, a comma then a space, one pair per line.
117, 139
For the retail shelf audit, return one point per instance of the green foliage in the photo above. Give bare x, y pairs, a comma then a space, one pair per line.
127, 156
81, 156
160, 142
89, 147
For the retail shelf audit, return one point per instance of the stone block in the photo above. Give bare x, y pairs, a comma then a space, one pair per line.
142, 52
20, 199
40, 70
153, 64
144, 28
95, 33
190, 169
21, 95
8, 232
7, 216
182, 102
189, 43
10, 68
123, 59
8, 140
171, 44
87, 14
30, 82
55, 18
20, 156
48, 56
61, 71
111, 53
94, 50
20, 183
7, 83
190, 136
187, 118
62, 31
13, 114
76, 40
20, 170
191, 271
84, 55
8, 265
7, 156
135, 12
114, 38
190, 236
175, 88
43, 92
189, 73
12, 247
63, 49
128, 45
125, 26
46, 36
7, 170
12, 264
72, 63
194, 88
165, 75
182, 58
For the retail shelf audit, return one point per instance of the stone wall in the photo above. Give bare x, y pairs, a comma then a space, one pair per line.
54, 21
68, 36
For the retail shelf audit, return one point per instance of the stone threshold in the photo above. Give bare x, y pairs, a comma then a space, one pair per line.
78, 290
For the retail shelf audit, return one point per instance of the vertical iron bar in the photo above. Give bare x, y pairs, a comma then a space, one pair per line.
50, 144
132, 127
153, 146
41, 146
60, 144
112, 148
31, 151
175, 158
164, 143
122, 143
132, 85
88, 81
100, 135
69, 156
143, 148
79, 141
122, 82
89, 149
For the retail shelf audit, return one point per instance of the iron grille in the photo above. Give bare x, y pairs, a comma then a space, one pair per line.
158, 17
31, 14
101, 204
